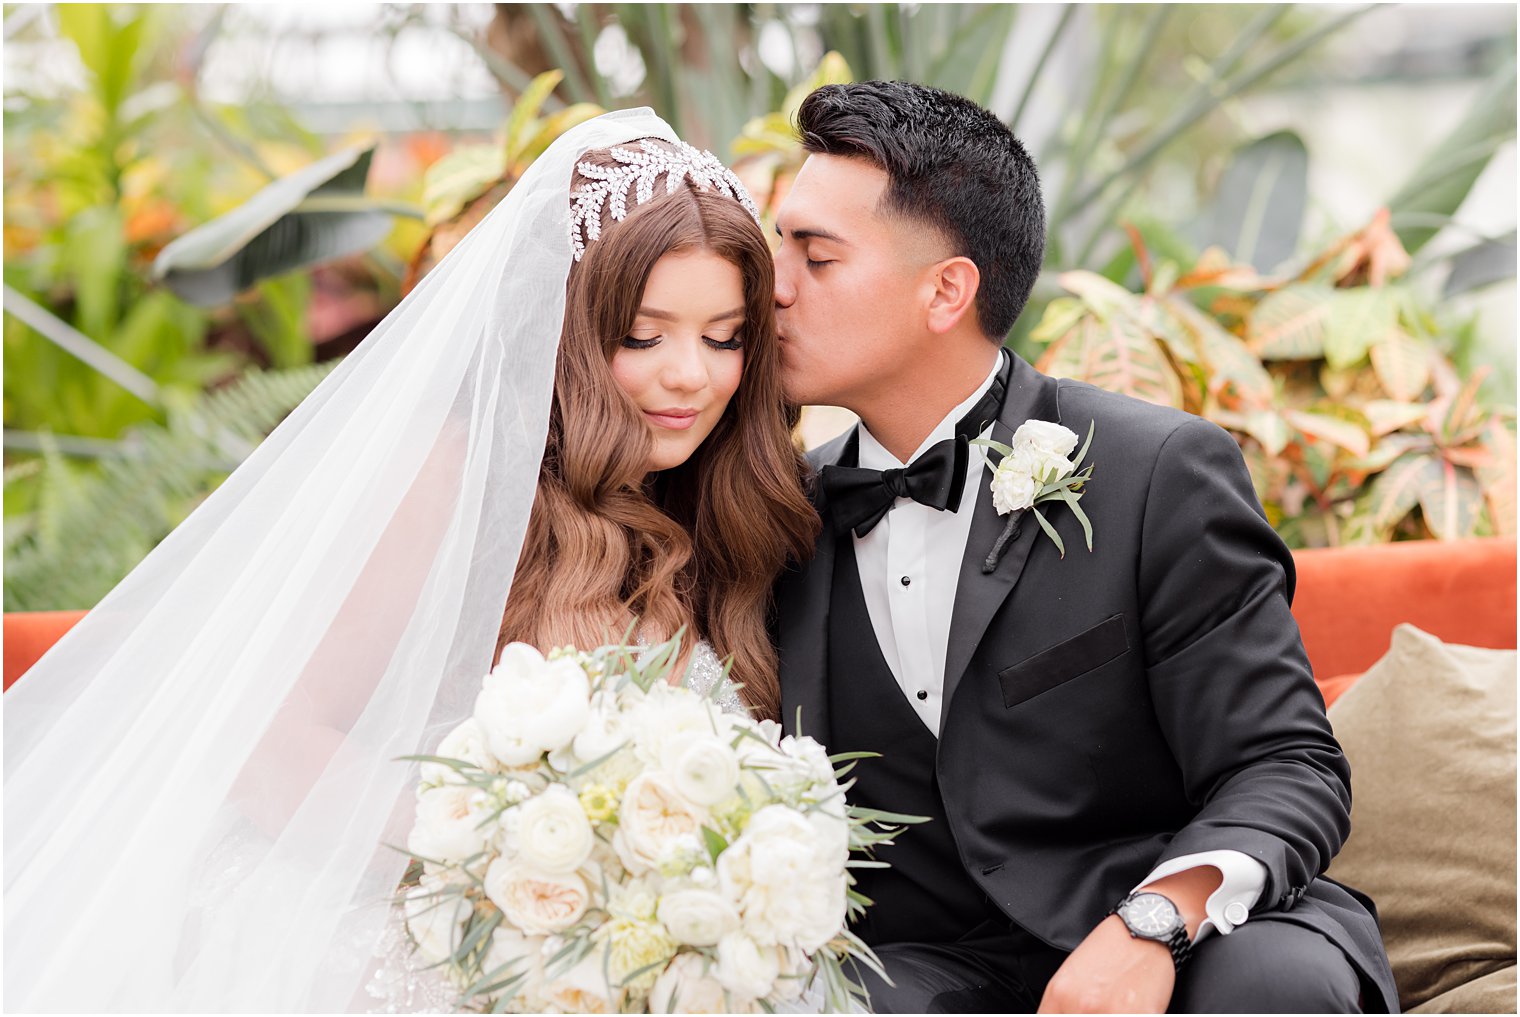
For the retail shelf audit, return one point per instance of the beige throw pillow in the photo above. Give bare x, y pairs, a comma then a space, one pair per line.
1429, 732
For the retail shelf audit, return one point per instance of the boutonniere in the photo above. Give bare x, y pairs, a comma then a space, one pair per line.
1033, 470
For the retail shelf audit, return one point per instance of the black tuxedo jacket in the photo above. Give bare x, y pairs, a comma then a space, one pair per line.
1106, 711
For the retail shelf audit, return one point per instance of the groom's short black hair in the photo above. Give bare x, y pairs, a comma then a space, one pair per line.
953, 167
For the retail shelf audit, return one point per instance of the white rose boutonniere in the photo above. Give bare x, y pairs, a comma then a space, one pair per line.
1033, 470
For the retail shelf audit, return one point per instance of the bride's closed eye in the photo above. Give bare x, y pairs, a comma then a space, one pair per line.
628, 342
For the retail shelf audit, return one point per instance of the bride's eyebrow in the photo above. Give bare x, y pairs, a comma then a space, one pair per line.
658, 315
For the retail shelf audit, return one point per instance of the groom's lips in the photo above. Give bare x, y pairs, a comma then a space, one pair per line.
678, 419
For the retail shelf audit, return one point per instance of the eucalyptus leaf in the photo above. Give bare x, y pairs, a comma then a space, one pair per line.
313, 215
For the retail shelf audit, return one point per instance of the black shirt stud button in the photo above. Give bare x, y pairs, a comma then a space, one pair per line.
922, 694
906, 581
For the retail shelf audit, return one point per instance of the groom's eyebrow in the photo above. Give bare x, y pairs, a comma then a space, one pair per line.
813, 234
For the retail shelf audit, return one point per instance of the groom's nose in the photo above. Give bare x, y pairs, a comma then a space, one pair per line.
786, 293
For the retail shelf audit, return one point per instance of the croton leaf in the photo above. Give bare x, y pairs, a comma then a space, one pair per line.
1402, 364
1290, 324
1358, 318
1334, 429
1389, 415
1451, 501
1498, 478
1396, 491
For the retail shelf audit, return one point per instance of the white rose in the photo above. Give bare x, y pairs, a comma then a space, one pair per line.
1014, 485
698, 917
1049, 440
510, 954
448, 827
686, 987
604, 730
775, 869
582, 989
528, 706
813, 757
666, 717
536, 903
466, 743
654, 822
435, 921
822, 913
706, 771
745, 968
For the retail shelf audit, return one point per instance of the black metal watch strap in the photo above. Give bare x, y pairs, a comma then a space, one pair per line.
1178, 942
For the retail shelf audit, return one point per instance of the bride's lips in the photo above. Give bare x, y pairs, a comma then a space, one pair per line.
677, 419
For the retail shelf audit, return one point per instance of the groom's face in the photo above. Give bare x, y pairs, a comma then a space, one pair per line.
849, 283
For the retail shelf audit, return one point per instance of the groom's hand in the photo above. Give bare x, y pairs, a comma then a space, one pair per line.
1113, 972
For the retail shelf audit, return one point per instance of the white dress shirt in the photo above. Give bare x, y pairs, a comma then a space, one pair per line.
909, 568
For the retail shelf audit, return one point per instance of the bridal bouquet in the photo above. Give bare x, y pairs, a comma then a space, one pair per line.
595, 839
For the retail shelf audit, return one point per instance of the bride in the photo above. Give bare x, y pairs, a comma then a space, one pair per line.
575, 423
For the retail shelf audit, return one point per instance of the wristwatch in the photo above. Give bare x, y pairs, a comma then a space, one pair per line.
1152, 916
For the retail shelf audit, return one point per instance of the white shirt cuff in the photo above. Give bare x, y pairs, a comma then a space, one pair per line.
1230, 905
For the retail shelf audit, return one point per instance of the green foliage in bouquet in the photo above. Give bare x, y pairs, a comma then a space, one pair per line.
538, 880
1336, 380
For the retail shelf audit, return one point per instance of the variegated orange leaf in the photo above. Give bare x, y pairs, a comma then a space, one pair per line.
1358, 318
1343, 433
1498, 478
1451, 501
1402, 365
1396, 491
1291, 323
1389, 415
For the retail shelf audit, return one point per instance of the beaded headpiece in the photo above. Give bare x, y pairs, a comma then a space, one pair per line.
609, 185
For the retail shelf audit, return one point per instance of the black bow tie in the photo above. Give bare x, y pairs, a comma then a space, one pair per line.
860, 498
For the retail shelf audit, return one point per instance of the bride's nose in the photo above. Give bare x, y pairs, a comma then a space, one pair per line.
684, 369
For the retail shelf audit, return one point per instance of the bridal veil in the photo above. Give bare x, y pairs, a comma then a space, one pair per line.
200, 778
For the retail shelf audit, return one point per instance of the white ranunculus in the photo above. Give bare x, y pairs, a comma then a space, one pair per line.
1045, 438
706, 771
697, 917
529, 705
745, 968
552, 832
655, 821
536, 903
684, 987
435, 921
1014, 485
466, 743
448, 827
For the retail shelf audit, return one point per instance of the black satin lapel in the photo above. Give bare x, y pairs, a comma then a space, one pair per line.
802, 610
979, 595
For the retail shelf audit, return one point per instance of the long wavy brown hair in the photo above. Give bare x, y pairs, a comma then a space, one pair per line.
698, 545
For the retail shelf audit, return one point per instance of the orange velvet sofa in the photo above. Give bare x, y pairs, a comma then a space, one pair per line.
1347, 603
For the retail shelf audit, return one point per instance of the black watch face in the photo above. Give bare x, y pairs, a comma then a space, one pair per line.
1151, 914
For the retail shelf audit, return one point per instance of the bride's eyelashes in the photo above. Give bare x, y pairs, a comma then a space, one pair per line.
630, 343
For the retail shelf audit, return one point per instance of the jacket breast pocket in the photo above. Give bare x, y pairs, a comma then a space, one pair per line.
1068, 659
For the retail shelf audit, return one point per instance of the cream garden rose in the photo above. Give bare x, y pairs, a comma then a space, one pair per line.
684, 987
655, 822
448, 826
536, 902
745, 968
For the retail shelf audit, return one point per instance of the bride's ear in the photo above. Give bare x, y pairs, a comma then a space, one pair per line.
955, 282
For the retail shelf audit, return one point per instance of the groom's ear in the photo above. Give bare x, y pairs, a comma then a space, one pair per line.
955, 282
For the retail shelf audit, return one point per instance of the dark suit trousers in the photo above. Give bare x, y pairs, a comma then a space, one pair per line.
1264, 966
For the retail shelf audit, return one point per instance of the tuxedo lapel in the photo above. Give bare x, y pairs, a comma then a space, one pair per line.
978, 595
803, 614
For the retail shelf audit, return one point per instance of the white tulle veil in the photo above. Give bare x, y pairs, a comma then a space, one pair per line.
200, 777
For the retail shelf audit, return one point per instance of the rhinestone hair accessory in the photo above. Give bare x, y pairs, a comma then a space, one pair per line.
609, 185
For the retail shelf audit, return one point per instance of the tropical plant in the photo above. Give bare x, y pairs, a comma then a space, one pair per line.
82, 530
1334, 379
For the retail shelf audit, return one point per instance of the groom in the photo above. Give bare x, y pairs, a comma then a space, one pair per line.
1140, 717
